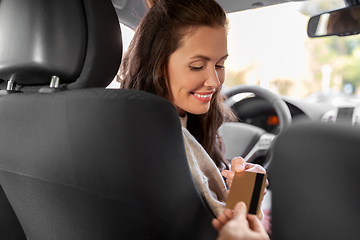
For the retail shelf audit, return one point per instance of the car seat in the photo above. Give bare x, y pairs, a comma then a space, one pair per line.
79, 161
314, 181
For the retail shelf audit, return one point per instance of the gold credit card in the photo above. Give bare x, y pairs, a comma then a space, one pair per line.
247, 187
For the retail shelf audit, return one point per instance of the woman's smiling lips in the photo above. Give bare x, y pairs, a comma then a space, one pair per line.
203, 96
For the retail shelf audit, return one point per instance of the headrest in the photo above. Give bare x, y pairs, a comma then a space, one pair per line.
77, 41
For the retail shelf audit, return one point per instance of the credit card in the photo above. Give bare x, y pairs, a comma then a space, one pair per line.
247, 187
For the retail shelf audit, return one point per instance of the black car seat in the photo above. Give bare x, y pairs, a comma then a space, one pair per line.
79, 161
315, 182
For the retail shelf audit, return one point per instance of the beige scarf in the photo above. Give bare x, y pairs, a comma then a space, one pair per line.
206, 175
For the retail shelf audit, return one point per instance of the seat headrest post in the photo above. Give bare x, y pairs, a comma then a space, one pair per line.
55, 80
10, 85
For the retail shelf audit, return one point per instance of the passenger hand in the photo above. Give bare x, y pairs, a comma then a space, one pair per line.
238, 164
222, 219
240, 227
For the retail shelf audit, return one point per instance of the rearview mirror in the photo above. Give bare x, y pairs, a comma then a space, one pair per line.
340, 22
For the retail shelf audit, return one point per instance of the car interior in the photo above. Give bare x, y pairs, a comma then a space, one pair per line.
80, 161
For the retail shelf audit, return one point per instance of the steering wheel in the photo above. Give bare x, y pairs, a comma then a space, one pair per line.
248, 141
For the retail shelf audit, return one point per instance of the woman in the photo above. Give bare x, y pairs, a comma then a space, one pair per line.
178, 52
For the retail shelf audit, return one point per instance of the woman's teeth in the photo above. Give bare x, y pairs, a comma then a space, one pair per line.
202, 95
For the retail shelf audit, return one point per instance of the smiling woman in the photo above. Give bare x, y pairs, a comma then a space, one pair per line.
178, 52
196, 70
157, 42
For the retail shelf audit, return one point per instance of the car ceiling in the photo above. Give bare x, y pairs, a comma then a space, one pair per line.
131, 11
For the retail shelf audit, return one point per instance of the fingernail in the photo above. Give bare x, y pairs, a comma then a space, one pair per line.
224, 174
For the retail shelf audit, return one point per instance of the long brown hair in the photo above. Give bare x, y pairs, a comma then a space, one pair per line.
158, 35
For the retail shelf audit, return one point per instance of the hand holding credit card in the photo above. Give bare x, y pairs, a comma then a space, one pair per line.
247, 187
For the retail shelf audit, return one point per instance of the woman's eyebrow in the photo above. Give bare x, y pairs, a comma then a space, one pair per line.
224, 57
202, 57
207, 58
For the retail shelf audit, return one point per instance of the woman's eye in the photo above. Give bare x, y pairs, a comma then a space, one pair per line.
219, 67
196, 68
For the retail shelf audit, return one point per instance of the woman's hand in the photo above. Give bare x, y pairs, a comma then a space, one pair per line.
238, 225
238, 164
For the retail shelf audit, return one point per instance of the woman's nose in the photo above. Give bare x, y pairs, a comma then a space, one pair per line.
213, 79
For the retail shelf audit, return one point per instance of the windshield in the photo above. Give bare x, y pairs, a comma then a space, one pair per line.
269, 46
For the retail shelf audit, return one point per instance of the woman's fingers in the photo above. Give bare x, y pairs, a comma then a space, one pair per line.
254, 168
229, 175
238, 164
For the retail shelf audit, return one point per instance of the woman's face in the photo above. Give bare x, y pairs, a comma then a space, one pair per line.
196, 69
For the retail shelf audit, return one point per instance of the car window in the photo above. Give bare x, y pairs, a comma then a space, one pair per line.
270, 47
126, 34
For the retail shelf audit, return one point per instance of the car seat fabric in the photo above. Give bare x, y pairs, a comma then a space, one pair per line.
10, 227
77, 41
99, 164
314, 181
